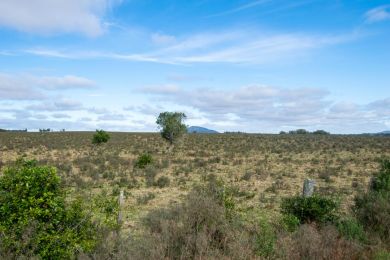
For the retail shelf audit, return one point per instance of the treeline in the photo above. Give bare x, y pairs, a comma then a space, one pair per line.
304, 132
16, 130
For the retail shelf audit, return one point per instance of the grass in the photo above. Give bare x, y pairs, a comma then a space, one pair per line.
265, 168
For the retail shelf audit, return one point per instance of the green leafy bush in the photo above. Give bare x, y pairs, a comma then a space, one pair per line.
100, 137
35, 220
372, 209
265, 239
351, 229
290, 222
144, 160
310, 209
381, 182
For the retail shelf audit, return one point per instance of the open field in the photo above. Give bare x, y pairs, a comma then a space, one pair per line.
262, 168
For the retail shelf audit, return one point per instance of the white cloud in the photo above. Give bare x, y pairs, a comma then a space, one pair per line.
53, 16
160, 89
59, 105
260, 108
162, 39
12, 88
112, 117
378, 14
65, 82
242, 7
235, 46
28, 87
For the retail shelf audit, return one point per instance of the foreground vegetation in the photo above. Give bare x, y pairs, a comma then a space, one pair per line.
213, 196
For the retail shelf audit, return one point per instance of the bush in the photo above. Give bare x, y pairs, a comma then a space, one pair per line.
144, 160
35, 220
381, 182
309, 242
150, 175
351, 230
197, 228
100, 137
310, 209
265, 239
290, 222
144, 199
162, 182
372, 209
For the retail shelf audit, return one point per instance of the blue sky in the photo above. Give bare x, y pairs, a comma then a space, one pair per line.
245, 65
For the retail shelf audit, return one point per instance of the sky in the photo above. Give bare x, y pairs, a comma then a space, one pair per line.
230, 65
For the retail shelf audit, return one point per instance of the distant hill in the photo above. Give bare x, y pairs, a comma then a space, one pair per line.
201, 130
386, 133
383, 133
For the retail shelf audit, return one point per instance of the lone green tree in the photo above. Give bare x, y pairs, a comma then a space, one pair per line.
171, 125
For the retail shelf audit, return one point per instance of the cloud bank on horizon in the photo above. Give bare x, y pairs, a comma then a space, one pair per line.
245, 65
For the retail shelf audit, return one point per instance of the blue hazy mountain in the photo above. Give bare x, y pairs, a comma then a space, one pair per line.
201, 130
383, 133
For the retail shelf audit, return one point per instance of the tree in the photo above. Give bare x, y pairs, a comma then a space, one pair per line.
171, 125
100, 136
321, 132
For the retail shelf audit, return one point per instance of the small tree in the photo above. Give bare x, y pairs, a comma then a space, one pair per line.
100, 136
171, 125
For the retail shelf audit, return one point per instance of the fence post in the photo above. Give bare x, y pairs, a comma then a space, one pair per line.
121, 201
308, 187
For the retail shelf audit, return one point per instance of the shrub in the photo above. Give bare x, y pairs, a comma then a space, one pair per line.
290, 222
150, 175
310, 209
372, 209
351, 229
265, 239
100, 137
381, 182
34, 217
197, 228
144, 160
309, 242
144, 199
163, 181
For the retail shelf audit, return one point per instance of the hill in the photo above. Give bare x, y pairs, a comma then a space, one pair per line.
201, 130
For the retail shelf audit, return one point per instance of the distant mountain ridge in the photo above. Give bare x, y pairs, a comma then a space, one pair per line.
380, 133
201, 130
383, 133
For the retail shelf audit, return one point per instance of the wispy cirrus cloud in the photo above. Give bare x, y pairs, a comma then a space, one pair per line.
269, 6
378, 14
235, 46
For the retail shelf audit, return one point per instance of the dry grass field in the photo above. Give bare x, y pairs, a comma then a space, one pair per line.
262, 169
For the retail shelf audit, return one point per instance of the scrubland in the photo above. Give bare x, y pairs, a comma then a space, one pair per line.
173, 204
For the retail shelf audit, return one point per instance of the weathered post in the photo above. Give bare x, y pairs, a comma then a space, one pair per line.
121, 201
308, 188
373, 183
